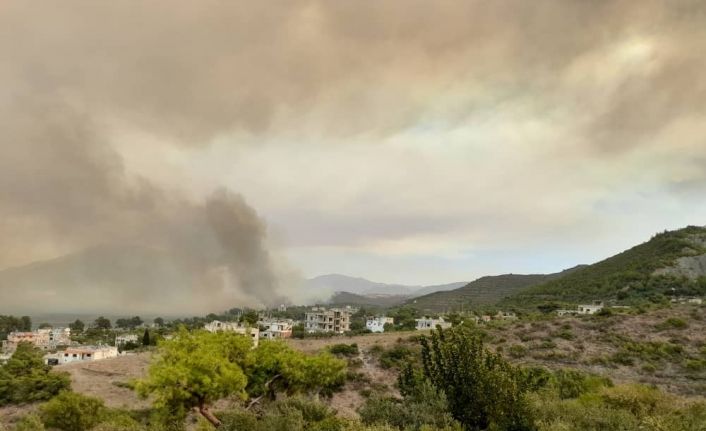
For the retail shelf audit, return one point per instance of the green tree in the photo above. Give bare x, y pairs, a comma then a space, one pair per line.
195, 369
146, 338
482, 389
249, 317
158, 321
77, 327
25, 378
44, 325
70, 411
102, 323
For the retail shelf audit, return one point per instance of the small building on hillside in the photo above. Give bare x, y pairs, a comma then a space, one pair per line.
377, 324
322, 320
590, 308
426, 323
506, 315
279, 328
218, 326
87, 353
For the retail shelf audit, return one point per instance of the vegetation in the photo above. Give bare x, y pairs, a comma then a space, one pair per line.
11, 323
197, 368
628, 276
25, 378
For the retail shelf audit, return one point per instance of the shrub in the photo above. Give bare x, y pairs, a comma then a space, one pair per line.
70, 411
25, 378
483, 390
31, 422
573, 383
395, 356
517, 351
672, 323
344, 349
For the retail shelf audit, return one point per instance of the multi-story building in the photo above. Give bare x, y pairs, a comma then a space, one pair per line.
377, 324
87, 353
334, 320
276, 328
45, 338
218, 326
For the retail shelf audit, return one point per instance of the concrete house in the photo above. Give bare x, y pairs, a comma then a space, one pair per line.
87, 353
427, 323
590, 308
46, 338
276, 329
334, 320
218, 326
377, 324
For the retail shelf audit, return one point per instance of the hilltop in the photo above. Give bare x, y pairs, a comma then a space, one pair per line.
671, 263
334, 283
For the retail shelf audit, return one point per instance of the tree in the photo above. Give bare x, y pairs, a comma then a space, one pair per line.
249, 317
25, 324
482, 389
44, 325
158, 321
102, 323
70, 411
11, 323
195, 369
146, 338
77, 327
25, 378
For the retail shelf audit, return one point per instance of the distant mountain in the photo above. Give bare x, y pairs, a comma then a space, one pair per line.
486, 290
360, 286
670, 263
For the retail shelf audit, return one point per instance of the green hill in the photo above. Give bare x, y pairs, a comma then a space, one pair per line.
487, 290
670, 263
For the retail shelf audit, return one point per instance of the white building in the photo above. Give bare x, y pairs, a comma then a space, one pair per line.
334, 320
377, 324
276, 329
218, 326
590, 308
87, 353
506, 315
121, 340
428, 323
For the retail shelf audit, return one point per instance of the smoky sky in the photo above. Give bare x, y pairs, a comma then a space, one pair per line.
356, 127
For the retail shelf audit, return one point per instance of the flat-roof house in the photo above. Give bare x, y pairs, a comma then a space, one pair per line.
429, 323
87, 353
218, 326
377, 324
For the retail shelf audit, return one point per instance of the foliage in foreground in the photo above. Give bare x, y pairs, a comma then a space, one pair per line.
26, 379
197, 368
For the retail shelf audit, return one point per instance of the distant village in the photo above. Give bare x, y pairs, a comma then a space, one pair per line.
63, 348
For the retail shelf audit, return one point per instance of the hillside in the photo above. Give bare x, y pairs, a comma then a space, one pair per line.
670, 263
347, 298
483, 291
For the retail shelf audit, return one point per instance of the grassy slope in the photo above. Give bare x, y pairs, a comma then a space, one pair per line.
627, 276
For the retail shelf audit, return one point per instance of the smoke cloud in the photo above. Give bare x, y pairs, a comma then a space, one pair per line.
80, 80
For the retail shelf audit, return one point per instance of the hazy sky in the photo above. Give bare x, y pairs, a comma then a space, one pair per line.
403, 141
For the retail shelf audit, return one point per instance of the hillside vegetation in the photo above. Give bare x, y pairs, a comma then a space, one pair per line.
633, 276
483, 291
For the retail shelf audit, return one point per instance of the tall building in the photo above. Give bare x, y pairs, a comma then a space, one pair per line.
334, 320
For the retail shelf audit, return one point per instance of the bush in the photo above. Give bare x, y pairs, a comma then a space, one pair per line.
672, 323
517, 351
344, 349
70, 411
395, 357
25, 378
573, 383
31, 422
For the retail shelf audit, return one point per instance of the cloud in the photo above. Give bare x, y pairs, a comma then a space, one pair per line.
366, 125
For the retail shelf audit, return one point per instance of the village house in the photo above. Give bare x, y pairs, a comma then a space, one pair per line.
429, 323
687, 300
278, 328
377, 324
486, 318
322, 320
590, 308
87, 353
218, 326
45, 338
121, 340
